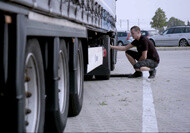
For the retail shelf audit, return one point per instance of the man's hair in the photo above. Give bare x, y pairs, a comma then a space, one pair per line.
136, 28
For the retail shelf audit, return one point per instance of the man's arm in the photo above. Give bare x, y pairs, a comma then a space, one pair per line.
144, 56
122, 48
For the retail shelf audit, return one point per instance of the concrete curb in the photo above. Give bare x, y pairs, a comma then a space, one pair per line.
172, 48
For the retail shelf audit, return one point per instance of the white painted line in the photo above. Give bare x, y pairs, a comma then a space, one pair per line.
149, 121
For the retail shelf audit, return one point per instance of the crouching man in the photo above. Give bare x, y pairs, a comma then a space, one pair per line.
146, 59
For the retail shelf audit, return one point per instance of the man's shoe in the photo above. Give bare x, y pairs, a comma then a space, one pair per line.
152, 74
136, 75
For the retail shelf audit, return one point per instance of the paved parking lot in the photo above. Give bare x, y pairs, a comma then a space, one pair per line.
135, 105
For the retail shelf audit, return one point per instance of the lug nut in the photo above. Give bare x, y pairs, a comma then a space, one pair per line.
27, 111
27, 79
26, 123
28, 94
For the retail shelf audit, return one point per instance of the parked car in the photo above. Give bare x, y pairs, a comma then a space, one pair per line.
149, 33
123, 38
145, 33
175, 36
153, 32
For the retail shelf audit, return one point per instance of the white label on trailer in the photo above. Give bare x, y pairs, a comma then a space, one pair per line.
95, 58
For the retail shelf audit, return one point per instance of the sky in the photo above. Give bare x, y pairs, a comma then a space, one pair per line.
141, 12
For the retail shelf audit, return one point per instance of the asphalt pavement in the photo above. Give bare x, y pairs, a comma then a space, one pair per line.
139, 105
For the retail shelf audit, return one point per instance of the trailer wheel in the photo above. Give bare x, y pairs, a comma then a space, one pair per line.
34, 88
112, 55
88, 77
76, 98
103, 71
63, 88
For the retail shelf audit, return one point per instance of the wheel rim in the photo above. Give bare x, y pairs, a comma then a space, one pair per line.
183, 43
32, 105
62, 82
79, 75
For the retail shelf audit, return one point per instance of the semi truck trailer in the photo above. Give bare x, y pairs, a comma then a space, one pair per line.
48, 48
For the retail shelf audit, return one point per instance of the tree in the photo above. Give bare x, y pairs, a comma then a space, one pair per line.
159, 20
175, 22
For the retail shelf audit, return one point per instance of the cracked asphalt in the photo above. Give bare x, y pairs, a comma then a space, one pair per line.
116, 105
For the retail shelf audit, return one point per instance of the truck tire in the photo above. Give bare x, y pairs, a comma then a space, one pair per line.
76, 97
103, 71
34, 88
62, 98
112, 55
57, 88
112, 66
88, 77
102, 77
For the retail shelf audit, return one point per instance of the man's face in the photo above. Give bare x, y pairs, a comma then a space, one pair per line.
134, 34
